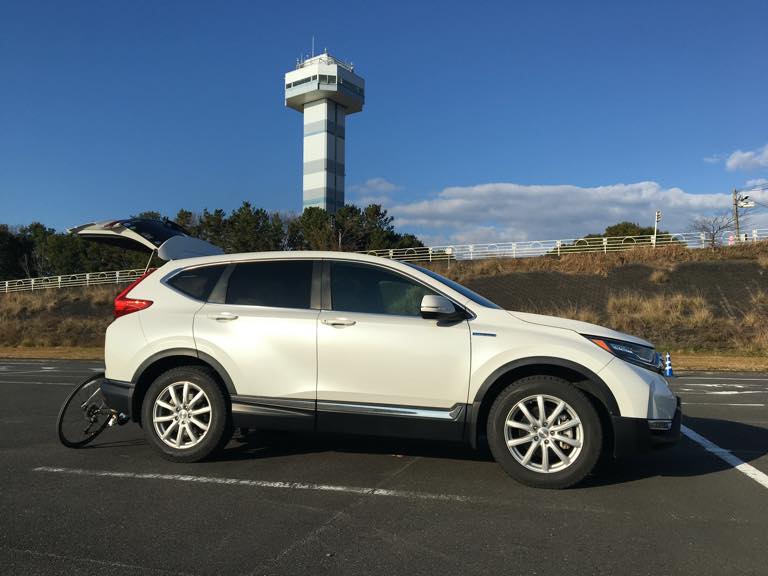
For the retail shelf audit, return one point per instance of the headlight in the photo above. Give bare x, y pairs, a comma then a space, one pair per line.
644, 356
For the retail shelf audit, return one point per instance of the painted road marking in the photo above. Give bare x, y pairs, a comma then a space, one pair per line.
718, 404
723, 392
720, 378
30, 383
83, 560
727, 456
260, 484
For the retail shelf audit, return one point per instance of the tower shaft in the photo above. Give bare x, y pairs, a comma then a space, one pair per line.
323, 181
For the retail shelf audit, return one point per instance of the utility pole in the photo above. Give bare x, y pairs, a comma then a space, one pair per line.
656, 226
736, 214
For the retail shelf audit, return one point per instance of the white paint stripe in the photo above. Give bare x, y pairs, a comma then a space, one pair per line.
717, 404
727, 456
67, 558
32, 383
258, 484
721, 378
724, 392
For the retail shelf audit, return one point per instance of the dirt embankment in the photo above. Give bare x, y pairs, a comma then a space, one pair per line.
696, 303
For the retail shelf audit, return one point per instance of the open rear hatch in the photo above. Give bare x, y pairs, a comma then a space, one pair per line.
169, 239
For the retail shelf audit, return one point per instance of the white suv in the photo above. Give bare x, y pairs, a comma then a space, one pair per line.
340, 342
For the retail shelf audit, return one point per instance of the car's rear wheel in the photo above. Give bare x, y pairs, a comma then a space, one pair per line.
544, 432
184, 414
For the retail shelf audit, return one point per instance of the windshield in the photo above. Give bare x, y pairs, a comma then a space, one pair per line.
463, 290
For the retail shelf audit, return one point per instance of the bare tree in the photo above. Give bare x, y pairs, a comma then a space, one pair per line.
712, 227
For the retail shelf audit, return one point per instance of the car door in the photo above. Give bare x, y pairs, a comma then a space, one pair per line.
260, 324
382, 368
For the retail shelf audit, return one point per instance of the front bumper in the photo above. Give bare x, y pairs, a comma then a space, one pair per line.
632, 435
119, 395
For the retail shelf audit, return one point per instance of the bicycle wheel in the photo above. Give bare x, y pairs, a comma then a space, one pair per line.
84, 414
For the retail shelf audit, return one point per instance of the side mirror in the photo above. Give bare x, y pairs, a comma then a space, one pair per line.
435, 307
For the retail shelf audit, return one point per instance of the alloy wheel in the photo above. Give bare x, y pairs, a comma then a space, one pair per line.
182, 415
544, 433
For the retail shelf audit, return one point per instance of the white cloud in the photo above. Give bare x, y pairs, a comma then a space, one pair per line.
373, 191
513, 212
714, 159
379, 185
749, 160
757, 182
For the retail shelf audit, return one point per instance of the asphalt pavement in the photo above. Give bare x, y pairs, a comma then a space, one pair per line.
288, 504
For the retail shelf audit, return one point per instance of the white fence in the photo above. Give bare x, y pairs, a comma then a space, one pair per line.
67, 280
559, 247
437, 253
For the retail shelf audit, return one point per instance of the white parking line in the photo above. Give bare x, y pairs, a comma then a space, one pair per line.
718, 404
70, 384
727, 456
721, 378
83, 560
259, 484
722, 392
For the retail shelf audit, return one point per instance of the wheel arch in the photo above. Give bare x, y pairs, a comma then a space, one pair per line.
165, 360
578, 375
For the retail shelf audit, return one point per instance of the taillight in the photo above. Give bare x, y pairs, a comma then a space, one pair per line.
124, 305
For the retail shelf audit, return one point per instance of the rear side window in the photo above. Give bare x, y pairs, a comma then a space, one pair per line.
286, 284
156, 231
197, 283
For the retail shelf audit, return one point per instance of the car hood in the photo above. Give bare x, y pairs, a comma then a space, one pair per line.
577, 326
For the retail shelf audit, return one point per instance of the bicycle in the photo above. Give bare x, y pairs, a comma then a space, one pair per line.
85, 414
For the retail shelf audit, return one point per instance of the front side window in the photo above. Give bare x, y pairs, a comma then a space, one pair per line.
373, 290
286, 284
463, 290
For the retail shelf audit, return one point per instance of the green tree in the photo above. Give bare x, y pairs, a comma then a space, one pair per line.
248, 230
311, 231
628, 229
349, 231
148, 215
11, 252
189, 221
213, 226
378, 229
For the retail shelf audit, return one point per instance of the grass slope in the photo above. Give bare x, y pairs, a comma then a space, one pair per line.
691, 301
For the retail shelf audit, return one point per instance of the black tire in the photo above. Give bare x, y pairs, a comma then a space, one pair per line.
589, 433
84, 414
218, 420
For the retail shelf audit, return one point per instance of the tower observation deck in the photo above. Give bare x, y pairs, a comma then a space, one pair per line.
326, 91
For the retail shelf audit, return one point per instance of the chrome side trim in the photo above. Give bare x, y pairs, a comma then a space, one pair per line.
452, 413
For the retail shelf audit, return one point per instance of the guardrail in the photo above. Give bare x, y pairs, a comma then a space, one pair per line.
527, 249
68, 280
524, 249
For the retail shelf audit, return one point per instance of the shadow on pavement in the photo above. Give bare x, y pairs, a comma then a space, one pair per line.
688, 458
684, 459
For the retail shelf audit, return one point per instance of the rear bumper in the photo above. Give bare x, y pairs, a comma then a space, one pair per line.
119, 395
631, 435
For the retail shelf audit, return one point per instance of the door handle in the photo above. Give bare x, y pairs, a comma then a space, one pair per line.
338, 322
222, 316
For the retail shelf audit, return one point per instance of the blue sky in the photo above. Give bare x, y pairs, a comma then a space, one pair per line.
483, 120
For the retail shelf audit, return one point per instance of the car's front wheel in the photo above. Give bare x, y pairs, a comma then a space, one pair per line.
184, 414
544, 432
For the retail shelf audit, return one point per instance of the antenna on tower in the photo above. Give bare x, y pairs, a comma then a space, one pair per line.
313, 45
